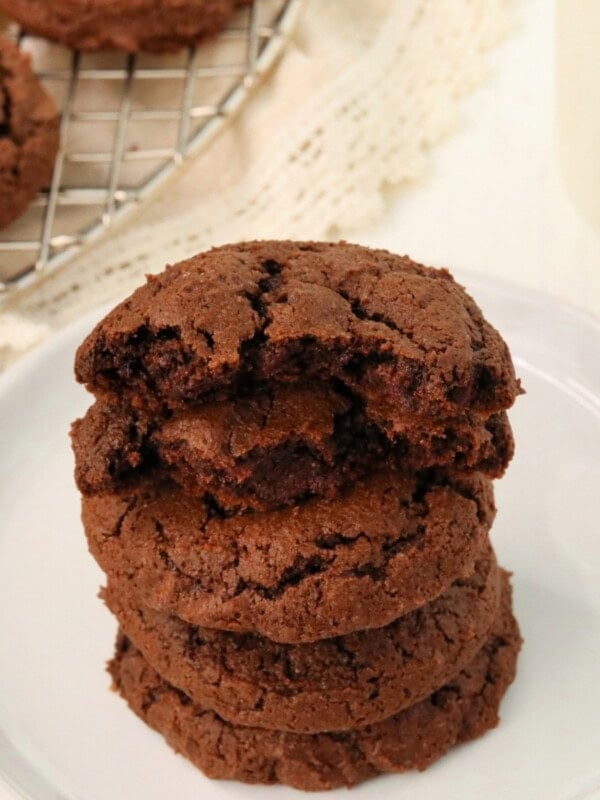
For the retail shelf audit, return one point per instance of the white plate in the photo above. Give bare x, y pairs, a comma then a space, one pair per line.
64, 735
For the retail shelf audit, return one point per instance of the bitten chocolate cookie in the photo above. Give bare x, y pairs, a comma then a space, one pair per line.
129, 25
333, 684
465, 708
321, 569
28, 133
404, 338
275, 448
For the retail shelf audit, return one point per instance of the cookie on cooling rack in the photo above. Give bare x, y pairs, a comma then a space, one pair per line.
28, 133
130, 25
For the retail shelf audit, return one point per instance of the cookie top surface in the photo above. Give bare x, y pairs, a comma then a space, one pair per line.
276, 447
333, 684
130, 25
320, 569
464, 708
28, 133
406, 338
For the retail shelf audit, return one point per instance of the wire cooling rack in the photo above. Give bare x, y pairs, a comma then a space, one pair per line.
128, 123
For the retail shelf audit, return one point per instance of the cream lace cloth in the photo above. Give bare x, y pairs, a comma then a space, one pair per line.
362, 92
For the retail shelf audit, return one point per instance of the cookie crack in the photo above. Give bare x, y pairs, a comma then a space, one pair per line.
361, 313
214, 510
333, 541
250, 348
481, 378
377, 570
118, 526
207, 336
6, 104
440, 628
297, 573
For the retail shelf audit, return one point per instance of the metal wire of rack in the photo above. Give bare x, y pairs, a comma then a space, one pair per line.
128, 123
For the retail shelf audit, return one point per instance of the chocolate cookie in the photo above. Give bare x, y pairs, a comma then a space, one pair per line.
333, 684
130, 25
465, 708
274, 448
321, 569
28, 133
405, 338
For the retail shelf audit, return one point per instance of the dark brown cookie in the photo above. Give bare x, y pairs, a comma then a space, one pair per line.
130, 25
321, 569
463, 709
405, 338
274, 448
334, 684
264, 451
28, 133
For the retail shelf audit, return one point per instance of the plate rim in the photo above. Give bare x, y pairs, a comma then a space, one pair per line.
23, 366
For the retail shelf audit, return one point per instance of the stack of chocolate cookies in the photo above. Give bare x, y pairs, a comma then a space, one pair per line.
287, 478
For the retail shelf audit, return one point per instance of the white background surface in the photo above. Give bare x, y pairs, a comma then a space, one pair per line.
493, 200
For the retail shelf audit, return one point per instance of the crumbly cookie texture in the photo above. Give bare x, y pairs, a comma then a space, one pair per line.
334, 684
130, 25
276, 447
405, 338
317, 570
464, 708
28, 133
